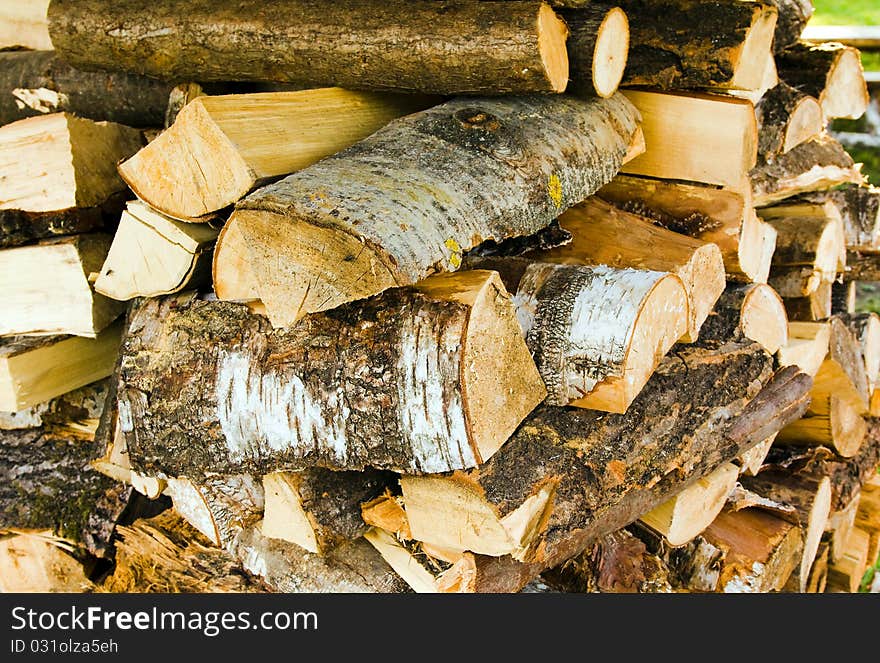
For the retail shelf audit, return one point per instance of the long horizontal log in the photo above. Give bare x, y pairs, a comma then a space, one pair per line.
449, 48
425, 379
782, 400
39, 82
406, 202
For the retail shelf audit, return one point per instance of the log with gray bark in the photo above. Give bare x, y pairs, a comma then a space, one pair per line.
569, 477
786, 118
859, 208
753, 311
406, 202
424, 379
39, 82
449, 48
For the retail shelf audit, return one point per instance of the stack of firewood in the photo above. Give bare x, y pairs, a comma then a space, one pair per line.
472, 317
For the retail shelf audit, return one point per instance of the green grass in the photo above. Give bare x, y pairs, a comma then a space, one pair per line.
846, 12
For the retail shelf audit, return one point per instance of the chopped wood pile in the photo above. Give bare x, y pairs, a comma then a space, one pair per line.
433, 296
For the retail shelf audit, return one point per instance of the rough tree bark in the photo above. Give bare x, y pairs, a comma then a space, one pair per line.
447, 48
786, 118
399, 381
752, 311
38, 82
793, 18
859, 208
409, 200
598, 48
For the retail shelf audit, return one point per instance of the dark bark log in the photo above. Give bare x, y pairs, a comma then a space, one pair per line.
208, 387
843, 297
46, 483
589, 26
862, 266
18, 227
406, 202
754, 312
811, 166
690, 43
447, 48
786, 118
38, 82
792, 19
859, 208
813, 307
611, 469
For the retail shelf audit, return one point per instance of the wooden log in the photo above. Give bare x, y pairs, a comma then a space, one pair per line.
815, 165
598, 47
319, 509
153, 255
793, 18
47, 290
769, 80
684, 132
265, 400
37, 369
807, 346
818, 572
222, 147
526, 160
868, 516
58, 161
81, 408
830, 72
742, 551
619, 563
802, 208
724, 48
165, 554
751, 461
862, 266
597, 231
840, 525
845, 575
813, 244
866, 328
811, 497
859, 208
467, 48
753, 311
723, 216
682, 518
815, 306
786, 118
568, 495
38, 82
24, 24
566, 314
843, 297
38, 562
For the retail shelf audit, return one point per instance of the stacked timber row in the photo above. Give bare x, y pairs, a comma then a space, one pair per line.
451, 318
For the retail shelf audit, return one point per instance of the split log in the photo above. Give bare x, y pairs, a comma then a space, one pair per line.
807, 346
845, 575
813, 307
598, 230
843, 297
811, 498
598, 48
724, 48
319, 509
769, 80
803, 208
840, 525
38, 82
868, 515
680, 519
817, 164
586, 473
153, 255
47, 291
596, 333
830, 72
81, 408
786, 118
24, 24
818, 572
866, 329
165, 554
793, 18
684, 133
747, 551
260, 400
751, 461
619, 563
467, 48
231, 271
809, 244
222, 147
38, 562
753, 311
58, 161
517, 163
720, 215
37, 369
859, 208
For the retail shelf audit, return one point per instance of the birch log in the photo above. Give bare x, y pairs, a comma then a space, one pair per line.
812, 247
602, 234
429, 379
859, 208
755, 311
786, 118
409, 46
596, 333
409, 200
866, 328
793, 18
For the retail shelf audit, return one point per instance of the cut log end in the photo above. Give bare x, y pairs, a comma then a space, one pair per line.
610, 55
845, 94
751, 69
814, 527
763, 318
552, 33
231, 269
284, 517
705, 283
805, 122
